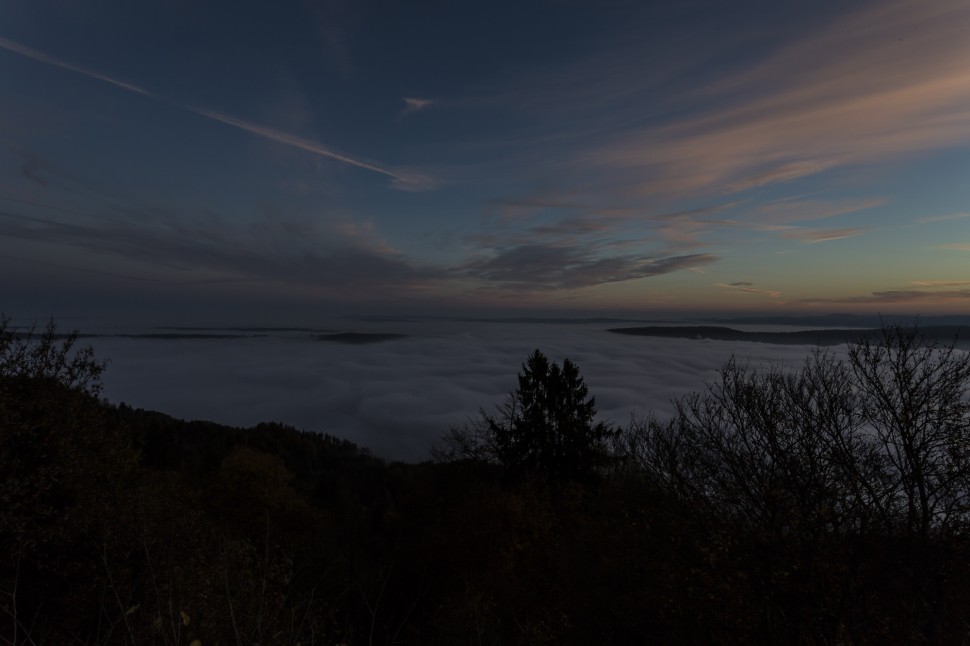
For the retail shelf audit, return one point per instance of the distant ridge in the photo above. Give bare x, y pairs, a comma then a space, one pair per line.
485, 319
241, 329
943, 334
164, 336
848, 320
358, 338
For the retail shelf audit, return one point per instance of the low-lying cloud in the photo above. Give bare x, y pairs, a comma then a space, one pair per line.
399, 397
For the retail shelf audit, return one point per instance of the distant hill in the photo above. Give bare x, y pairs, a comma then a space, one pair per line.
943, 334
848, 320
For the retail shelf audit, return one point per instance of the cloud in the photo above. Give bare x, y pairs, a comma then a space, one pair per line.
414, 104
403, 178
746, 288
939, 283
521, 208
398, 398
740, 283
30, 167
785, 172
683, 230
812, 236
956, 246
616, 227
942, 218
277, 249
572, 227
790, 211
876, 84
414, 180
541, 267
39, 56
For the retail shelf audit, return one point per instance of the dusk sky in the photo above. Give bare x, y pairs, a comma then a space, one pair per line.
204, 159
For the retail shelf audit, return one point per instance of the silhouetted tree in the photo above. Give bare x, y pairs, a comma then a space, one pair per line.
65, 474
546, 426
913, 395
48, 354
820, 469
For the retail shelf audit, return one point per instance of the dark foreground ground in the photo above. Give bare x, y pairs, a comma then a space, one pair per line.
128, 526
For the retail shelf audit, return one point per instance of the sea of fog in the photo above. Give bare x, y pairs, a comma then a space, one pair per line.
397, 397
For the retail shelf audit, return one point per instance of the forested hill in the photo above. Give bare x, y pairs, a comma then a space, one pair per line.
766, 511
941, 334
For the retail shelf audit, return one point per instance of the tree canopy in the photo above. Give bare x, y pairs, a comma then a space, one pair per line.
48, 355
545, 427
779, 505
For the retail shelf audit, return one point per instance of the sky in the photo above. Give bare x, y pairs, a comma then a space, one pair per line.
284, 161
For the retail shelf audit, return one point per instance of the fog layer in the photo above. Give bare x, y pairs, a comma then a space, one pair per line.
397, 397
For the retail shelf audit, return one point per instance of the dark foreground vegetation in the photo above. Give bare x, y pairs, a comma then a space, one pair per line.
823, 505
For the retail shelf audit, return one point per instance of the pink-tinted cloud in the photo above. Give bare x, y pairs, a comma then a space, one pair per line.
821, 235
550, 267
415, 104
791, 211
742, 287
943, 218
939, 283
878, 84
785, 172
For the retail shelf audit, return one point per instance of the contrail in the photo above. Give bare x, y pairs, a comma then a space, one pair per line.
401, 180
17, 48
288, 139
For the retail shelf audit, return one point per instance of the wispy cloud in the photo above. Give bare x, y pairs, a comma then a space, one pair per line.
520, 208
540, 267
877, 84
939, 283
795, 210
415, 104
784, 172
943, 218
303, 144
39, 56
956, 246
572, 227
30, 169
616, 226
821, 235
686, 229
403, 179
276, 249
747, 288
